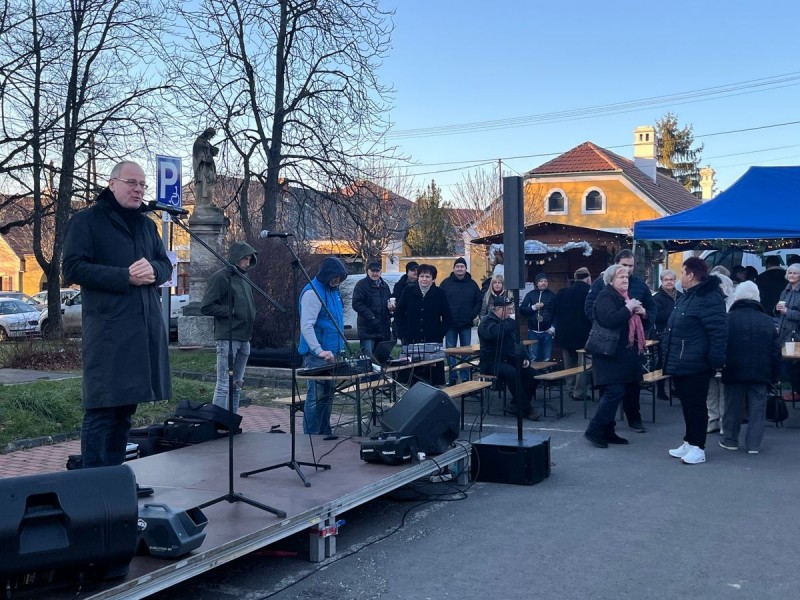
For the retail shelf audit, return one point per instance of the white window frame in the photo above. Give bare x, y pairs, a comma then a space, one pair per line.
550, 192
586, 211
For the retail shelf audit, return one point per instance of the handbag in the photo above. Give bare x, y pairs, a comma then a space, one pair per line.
777, 411
602, 341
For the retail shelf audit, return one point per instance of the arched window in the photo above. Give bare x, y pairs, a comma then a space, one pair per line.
556, 202
594, 201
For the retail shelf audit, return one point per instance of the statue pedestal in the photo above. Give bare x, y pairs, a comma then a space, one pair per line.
208, 224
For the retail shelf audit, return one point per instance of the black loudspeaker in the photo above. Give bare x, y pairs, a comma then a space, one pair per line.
503, 458
426, 413
513, 233
82, 520
169, 534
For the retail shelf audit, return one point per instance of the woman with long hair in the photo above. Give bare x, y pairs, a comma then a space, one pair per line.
497, 289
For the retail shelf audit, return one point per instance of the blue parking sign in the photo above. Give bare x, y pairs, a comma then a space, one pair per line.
168, 181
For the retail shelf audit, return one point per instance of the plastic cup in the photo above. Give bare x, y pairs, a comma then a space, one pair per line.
790, 348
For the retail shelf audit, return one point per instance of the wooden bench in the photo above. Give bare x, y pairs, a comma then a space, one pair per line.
558, 378
650, 380
468, 388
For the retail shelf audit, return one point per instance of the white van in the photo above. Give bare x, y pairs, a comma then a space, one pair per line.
346, 291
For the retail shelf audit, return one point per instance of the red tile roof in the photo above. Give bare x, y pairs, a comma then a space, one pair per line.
589, 158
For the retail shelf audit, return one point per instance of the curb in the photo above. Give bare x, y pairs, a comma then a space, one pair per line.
37, 442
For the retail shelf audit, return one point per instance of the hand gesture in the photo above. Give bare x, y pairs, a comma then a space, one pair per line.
141, 273
632, 304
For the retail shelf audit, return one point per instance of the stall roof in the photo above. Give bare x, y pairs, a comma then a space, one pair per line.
762, 205
560, 233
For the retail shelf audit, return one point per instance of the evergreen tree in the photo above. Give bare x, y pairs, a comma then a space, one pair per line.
429, 231
675, 154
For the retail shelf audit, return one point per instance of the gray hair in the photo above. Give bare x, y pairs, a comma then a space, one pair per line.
611, 272
794, 268
667, 272
720, 270
747, 290
118, 167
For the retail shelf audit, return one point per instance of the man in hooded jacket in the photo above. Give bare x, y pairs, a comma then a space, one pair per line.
229, 299
113, 251
321, 339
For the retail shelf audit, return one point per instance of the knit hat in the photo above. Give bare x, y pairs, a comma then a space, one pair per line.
460, 261
581, 273
374, 266
539, 277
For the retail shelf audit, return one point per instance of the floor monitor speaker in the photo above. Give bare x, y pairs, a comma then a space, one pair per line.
426, 413
503, 458
82, 520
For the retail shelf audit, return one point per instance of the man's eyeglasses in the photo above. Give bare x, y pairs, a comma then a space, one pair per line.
132, 182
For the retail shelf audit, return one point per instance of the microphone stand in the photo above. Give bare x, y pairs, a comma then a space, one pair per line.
293, 463
232, 496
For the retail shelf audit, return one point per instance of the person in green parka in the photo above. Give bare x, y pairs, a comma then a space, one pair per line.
234, 317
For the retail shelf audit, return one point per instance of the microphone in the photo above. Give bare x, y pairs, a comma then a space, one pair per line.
167, 208
273, 234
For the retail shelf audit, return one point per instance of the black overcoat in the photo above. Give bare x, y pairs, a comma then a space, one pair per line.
626, 367
125, 351
754, 353
370, 301
422, 319
570, 320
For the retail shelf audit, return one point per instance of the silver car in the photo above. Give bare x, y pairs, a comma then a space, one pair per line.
70, 318
17, 319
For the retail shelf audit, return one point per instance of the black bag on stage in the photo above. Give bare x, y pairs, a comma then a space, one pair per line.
777, 411
221, 417
182, 430
148, 439
602, 341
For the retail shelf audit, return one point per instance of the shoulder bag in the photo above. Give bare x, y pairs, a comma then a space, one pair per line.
602, 341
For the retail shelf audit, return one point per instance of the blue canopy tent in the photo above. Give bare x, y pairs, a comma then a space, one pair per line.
761, 210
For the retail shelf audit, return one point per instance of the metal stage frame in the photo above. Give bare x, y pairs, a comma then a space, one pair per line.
187, 477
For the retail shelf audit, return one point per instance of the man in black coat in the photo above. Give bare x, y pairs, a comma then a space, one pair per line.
464, 300
371, 304
771, 283
116, 255
538, 306
573, 326
499, 353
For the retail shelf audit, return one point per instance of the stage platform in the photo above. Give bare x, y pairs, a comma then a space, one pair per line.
191, 476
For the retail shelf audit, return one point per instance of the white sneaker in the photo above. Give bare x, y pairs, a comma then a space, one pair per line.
680, 451
694, 456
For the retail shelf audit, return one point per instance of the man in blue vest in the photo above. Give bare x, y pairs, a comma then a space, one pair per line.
320, 341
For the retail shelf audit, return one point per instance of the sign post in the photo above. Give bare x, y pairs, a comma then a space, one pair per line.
168, 191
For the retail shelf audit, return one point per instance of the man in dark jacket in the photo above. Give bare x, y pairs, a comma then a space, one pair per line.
321, 339
572, 326
371, 304
113, 251
229, 299
538, 306
499, 353
637, 288
696, 340
407, 280
464, 299
752, 363
771, 283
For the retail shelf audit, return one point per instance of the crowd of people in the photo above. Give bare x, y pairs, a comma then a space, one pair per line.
694, 320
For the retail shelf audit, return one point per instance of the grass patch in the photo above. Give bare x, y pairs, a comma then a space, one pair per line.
46, 408
203, 360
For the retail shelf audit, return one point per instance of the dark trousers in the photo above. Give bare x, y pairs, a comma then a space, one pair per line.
604, 420
507, 374
693, 390
630, 403
104, 435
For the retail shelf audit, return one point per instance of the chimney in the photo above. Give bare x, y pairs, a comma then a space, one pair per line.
707, 183
644, 150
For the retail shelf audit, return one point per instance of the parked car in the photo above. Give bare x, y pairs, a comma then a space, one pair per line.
29, 300
66, 294
346, 291
71, 316
17, 319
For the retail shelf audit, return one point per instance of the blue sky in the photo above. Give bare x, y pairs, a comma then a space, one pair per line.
466, 62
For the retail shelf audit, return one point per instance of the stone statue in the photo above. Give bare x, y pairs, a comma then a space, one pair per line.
205, 170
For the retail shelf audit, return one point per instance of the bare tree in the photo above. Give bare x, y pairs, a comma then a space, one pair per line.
75, 88
293, 85
478, 191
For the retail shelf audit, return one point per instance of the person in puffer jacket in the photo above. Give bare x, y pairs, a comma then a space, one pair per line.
696, 341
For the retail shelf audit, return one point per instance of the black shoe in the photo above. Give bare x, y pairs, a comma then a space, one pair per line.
597, 442
613, 438
510, 409
637, 427
533, 416
144, 492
